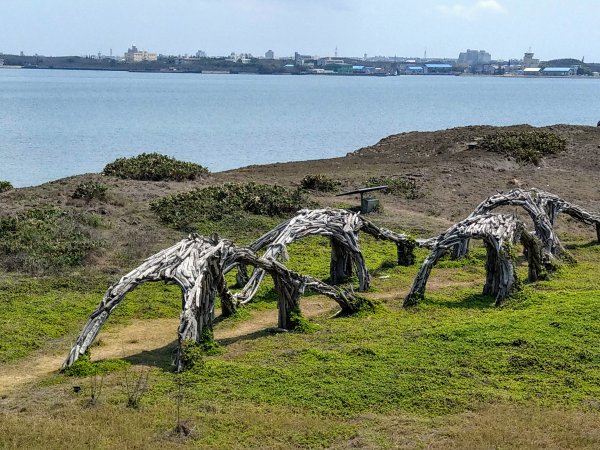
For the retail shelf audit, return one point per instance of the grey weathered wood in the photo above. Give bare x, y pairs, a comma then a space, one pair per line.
499, 233
342, 227
197, 265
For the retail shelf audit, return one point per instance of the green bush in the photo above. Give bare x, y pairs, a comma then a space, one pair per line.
227, 201
46, 239
154, 167
397, 185
319, 182
5, 186
90, 190
524, 146
84, 367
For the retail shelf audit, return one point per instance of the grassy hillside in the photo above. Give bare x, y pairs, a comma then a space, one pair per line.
454, 372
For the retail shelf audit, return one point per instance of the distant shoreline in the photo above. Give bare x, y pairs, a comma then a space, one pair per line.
234, 72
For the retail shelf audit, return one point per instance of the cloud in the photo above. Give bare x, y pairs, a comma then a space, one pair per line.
472, 11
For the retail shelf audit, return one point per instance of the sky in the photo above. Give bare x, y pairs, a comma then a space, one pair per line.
443, 28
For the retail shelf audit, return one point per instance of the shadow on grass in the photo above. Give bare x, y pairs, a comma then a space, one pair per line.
581, 245
162, 357
470, 301
247, 337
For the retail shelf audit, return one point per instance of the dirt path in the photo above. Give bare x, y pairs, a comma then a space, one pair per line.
143, 336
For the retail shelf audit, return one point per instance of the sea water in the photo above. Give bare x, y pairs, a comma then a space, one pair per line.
56, 123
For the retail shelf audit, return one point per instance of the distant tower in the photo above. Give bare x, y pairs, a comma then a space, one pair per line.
110, 52
425, 54
336, 51
365, 56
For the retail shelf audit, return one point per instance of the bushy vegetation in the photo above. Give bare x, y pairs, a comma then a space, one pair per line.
84, 367
227, 202
524, 146
46, 240
154, 167
5, 186
90, 190
319, 182
397, 185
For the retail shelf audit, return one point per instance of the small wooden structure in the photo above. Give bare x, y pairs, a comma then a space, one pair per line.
366, 204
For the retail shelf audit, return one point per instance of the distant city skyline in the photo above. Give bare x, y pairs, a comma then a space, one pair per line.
504, 28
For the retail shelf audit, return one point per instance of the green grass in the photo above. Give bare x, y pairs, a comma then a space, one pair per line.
37, 310
351, 376
452, 353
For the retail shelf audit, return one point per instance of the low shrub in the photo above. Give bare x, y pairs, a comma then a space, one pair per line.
90, 190
154, 167
84, 367
46, 240
227, 201
319, 182
5, 186
397, 185
524, 146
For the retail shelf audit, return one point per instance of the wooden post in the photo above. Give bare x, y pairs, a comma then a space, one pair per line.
288, 301
406, 253
492, 271
340, 267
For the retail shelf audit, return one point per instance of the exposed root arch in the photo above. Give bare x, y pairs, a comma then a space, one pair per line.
527, 200
193, 264
342, 228
554, 205
499, 233
197, 264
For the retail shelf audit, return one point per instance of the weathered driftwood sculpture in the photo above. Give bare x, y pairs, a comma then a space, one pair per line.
338, 225
499, 233
541, 222
543, 208
554, 205
196, 265
342, 227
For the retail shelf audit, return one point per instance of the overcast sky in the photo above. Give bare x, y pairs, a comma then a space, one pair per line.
505, 28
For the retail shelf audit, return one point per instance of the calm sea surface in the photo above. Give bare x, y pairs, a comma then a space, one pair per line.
58, 123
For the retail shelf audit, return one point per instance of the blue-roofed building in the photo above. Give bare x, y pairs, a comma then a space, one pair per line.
415, 70
438, 68
557, 71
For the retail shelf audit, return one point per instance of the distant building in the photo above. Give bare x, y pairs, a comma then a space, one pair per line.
301, 60
322, 62
557, 71
1, 62
269, 54
200, 54
529, 61
532, 71
134, 55
437, 69
414, 70
474, 57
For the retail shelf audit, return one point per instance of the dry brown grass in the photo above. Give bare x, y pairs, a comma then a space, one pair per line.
69, 424
509, 426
